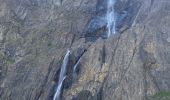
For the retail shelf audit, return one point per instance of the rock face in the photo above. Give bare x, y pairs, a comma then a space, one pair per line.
133, 64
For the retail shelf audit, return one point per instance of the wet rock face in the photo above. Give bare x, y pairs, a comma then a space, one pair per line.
131, 65
126, 12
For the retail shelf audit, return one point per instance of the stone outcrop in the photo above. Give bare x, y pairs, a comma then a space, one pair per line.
133, 64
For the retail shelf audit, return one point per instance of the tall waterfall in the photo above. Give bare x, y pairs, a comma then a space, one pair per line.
110, 17
62, 76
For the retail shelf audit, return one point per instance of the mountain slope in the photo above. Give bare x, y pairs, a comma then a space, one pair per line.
132, 64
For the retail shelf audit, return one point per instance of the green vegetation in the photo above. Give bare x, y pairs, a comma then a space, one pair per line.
161, 96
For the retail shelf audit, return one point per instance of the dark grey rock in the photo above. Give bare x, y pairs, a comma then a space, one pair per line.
35, 34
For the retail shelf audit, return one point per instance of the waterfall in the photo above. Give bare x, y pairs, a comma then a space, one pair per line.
110, 17
62, 76
75, 66
75, 69
57, 94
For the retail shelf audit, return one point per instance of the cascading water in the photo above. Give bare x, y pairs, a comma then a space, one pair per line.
62, 76
75, 69
57, 94
110, 17
111, 27
75, 66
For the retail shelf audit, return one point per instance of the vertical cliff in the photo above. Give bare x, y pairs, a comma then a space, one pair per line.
131, 64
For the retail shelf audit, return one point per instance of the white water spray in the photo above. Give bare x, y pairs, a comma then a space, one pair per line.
62, 76
57, 94
110, 17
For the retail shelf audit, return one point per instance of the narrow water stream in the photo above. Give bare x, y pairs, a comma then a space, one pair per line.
62, 76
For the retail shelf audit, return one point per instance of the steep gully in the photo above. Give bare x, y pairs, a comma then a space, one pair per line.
110, 18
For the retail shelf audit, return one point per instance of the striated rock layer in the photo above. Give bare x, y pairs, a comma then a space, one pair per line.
133, 64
